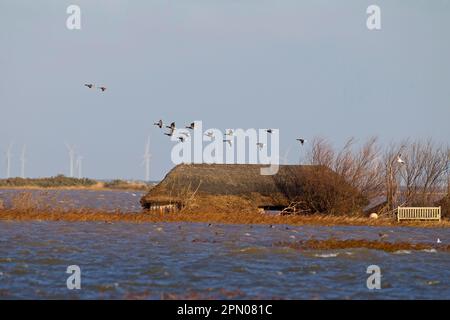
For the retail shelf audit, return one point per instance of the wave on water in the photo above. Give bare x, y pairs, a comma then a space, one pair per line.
402, 252
326, 255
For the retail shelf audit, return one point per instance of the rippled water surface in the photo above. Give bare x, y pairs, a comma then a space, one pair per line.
192, 260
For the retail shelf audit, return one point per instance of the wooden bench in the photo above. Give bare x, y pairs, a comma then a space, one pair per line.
419, 213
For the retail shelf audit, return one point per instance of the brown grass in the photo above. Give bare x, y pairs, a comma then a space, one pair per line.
27, 214
333, 244
26, 207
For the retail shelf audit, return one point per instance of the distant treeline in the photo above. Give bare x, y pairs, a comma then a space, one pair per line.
126, 185
61, 181
58, 181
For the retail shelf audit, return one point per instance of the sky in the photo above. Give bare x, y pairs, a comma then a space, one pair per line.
310, 68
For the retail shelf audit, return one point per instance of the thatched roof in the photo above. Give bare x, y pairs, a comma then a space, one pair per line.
241, 180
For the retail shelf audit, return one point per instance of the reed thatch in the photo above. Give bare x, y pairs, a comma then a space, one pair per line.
243, 185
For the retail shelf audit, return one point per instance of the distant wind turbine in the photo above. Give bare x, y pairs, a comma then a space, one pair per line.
8, 161
79, 167
22, 162
146, 161
71, 150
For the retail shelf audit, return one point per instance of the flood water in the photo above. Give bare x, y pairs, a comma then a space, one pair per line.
197, 260
74, 199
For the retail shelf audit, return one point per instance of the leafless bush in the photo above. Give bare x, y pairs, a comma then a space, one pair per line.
321, 153
424, 174
419, 181
361, 167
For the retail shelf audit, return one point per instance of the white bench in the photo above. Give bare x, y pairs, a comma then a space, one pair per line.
419, 213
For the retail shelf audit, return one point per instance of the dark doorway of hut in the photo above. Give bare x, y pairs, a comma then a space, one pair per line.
293, 208
276, 210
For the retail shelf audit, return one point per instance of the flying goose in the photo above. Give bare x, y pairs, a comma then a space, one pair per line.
192, 126
159, 124
209, 134
230, 142
89, 85
170, 133
302, 141
260, 145
102, 88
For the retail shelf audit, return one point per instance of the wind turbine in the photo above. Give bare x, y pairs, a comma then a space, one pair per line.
8, 160
146, 160
22, 162
79, 166
71, 150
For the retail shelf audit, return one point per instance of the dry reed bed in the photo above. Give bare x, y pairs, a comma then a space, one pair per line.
27, 214
334, 244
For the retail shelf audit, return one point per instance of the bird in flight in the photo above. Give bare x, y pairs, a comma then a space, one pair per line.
209, 134
172, 126
400, 160
229, 142
170, 133
181, 139
269, 130
302, 141
89, 85
192, 126
159, 124
229, 132
102, 88
260, 145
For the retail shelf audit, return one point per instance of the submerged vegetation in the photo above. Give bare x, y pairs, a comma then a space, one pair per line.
335, 244
234, 218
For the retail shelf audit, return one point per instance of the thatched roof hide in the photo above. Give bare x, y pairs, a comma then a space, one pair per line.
188, 181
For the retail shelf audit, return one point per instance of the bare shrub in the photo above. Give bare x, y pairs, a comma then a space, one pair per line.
424, 174
361, 167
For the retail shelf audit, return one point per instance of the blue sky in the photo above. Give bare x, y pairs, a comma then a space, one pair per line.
307, 67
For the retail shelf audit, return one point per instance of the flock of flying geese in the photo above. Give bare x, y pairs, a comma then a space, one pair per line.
183, 135
230, 133
92, 86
